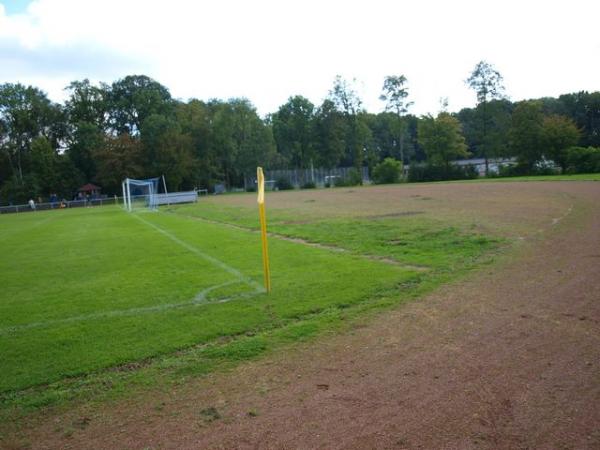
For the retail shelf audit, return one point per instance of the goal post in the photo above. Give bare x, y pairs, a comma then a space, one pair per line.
140, 194
146, 194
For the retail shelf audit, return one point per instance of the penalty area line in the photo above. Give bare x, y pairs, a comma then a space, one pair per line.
200, 299
258, 288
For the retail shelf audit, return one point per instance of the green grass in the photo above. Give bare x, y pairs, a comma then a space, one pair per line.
96, 297
410, 240
573, 177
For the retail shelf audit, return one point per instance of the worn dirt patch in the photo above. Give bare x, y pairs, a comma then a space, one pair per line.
507, 359
396, 214
510, 208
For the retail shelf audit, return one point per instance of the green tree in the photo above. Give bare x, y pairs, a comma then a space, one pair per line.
118, 158
18, 191
442, 139
86, 110
395, 93
87, 103
526, 133
498, 125
330, 135
241, 139
293, 131
133, 99
346, 100
584, 109
558, 134
69, 178
85, 139
387, 171
195, 119
26, 114
167, 151
44, 163
487, 84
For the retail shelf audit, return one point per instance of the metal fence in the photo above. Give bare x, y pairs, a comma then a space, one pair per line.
177, 197
302, 177
174, 197
61, 205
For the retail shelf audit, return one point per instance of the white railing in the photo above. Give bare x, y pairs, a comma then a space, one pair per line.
61, 205
162, 199
176, 197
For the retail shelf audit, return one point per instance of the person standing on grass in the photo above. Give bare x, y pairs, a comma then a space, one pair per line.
32, 204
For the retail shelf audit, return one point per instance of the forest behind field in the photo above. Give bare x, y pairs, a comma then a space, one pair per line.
134, 128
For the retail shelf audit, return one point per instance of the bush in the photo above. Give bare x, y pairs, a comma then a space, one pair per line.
513, 170
546, 170
15, 192
583, 160
429, 172
520, 170
309, 185
283, 184
352, 178
387, 171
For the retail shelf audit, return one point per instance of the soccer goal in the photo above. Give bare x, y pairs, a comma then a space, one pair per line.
140, 194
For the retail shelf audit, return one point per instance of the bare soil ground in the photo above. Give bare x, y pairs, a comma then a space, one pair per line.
507, 359
508, 208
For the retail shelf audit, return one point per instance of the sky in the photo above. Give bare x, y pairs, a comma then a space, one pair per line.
268, 51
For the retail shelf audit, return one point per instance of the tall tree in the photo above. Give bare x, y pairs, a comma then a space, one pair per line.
120, 157
346, 100
86, 111
55, 172
195, 119
293, 131
133, 99
330, 135
526, 133
25, 114
87, 103
584, 109
344, 96
240, 138
558, 134
487, 84
442, 139
395, 93
167, 151
44, 163
84, 141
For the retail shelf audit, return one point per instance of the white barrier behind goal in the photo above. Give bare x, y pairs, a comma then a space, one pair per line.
176, 197
144, 194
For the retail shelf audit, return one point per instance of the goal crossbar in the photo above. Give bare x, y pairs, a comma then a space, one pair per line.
140, 193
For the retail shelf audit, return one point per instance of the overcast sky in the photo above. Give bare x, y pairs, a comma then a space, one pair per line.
268, 51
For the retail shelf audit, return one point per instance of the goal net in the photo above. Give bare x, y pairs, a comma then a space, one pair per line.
140, 194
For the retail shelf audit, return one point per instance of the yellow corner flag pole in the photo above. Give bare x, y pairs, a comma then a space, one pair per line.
263, 226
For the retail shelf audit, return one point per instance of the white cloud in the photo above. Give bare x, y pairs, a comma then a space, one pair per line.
270, 50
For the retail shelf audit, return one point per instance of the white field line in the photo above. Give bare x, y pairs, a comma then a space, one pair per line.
239, 275
556, 220
199, 300
5, 235
307, 243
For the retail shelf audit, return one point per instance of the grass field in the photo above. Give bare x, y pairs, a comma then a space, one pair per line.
95, 300
565, 177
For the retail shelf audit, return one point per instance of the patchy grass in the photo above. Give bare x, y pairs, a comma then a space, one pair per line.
573, 177
97, 303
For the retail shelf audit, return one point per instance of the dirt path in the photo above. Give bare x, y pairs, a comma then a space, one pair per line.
507, 359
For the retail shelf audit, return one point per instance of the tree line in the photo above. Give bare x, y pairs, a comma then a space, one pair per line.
135, 128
